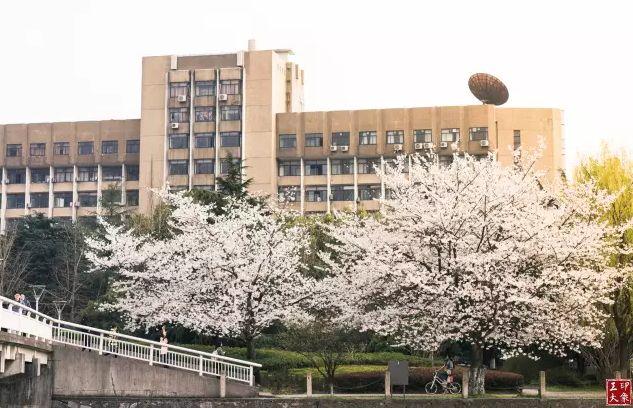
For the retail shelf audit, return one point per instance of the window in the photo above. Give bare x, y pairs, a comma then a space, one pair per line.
131, 198
205, 166
340, 138
478, 133
288, 141
314, 139
204, 187
289, 168
14, 150
178, 115
39, 200
423, 135
62, 199
88, 173
449, 135
85, 148
344, 166
395, 136
61, 148
111, 173
204, 140
88, 198
38, 149
178, 167
368, 192
287, 193
230, 139
205, 114
230, 86
109, 147
224, 165
367, 166
367, 137
15, 200
315, 167
178, 141
517, 139
316, 193
178, 88
131, 172
230, 112
445, 160
63, 175
342, 193
133, 146
40, 175
205, 88
111, 196
16, 176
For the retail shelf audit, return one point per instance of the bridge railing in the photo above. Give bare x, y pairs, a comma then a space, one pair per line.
26, 321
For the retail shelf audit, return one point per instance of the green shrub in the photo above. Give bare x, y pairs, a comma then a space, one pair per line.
562, 376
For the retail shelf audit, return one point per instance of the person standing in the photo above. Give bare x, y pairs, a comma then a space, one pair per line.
164, 348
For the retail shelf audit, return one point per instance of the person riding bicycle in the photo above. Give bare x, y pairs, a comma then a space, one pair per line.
447, 368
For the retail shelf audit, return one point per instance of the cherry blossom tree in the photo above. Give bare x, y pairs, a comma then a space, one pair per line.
475, 252
231, 274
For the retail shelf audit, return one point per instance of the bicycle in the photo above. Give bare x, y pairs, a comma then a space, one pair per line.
450, 387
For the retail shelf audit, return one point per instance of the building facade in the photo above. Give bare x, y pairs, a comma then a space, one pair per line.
197, 112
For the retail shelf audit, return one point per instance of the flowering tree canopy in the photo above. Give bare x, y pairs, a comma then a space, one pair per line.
229, 274
476, 252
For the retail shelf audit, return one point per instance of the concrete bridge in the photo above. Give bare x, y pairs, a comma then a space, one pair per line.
42, 358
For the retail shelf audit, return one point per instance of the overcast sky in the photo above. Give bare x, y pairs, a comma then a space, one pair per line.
81, 60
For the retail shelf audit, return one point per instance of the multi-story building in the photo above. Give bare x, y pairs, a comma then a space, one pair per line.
197, 111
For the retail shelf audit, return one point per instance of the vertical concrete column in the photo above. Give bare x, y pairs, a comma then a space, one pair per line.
3, 209
216, 136
302, 186
541, 388
329, 184
409, 164
99, 187
382, 181
51, 193
191, 141
123, 183
222, 385
465, 380
75, 194
355, 185
243, 126
309, 384
387, 384
166, 141
27, 191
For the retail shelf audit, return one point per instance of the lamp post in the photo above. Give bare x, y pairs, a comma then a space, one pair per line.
38, 291
59, 306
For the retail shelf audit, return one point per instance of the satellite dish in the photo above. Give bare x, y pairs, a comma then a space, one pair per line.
488, 89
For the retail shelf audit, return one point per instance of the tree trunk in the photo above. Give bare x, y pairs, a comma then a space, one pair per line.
331, 388
250, 356
623, 356
476, 383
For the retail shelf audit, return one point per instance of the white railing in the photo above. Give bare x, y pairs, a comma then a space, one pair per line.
17, 318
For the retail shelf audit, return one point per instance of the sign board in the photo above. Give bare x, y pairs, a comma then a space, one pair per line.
399, 372
618, 393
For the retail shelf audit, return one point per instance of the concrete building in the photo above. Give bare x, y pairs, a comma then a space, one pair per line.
198, 110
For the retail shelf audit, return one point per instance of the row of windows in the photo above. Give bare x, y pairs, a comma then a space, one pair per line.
201, 166
65, 174
370, 137
319, 167
64, 199
205, 113
206, 88
83, 148
204, 140
366, 192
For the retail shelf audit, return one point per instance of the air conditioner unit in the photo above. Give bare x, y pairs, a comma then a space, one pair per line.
174, 125
484, 143
344, 148
419, 146
443, 145
333, 148
428, 145
182, 98
397, 147
223, 97
72, 204
7, 181
47, 179
76, 204
28, 205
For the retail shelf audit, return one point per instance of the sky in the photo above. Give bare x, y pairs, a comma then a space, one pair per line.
81, 60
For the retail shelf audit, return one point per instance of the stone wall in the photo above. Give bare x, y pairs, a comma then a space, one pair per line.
330, 403
28, 389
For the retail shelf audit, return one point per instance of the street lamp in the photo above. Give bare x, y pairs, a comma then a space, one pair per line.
59, 306
38, 291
